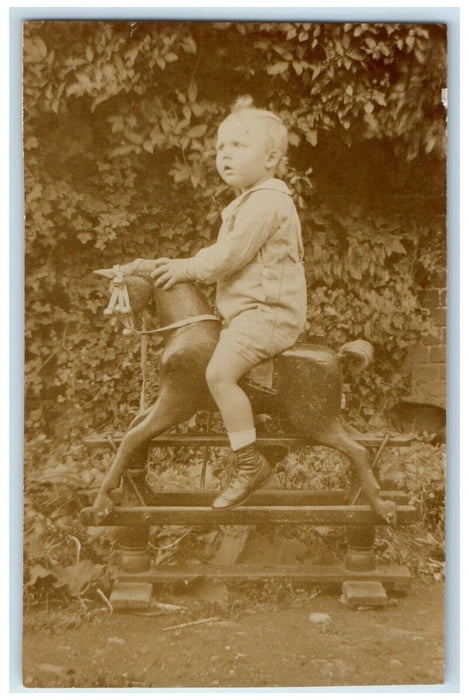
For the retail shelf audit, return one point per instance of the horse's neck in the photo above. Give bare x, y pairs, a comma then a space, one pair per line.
180, 302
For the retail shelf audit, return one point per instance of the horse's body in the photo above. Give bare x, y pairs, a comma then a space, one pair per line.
308, 387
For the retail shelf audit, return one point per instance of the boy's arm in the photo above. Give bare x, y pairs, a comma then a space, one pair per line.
255, 221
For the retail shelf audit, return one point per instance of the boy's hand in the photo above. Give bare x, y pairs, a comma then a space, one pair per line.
169, 272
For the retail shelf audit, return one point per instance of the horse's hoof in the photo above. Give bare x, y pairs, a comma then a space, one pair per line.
387, 510
102, 507
102, 514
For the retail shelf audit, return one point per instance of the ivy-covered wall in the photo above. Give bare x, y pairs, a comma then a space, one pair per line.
119, 127
426, 360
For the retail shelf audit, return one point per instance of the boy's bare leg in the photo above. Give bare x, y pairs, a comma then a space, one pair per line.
223, 372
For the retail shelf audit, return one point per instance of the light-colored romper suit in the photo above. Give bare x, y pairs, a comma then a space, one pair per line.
257, 264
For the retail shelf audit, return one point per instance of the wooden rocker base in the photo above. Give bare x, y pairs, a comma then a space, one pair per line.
276, 506
137, 508
245, 515
395, 578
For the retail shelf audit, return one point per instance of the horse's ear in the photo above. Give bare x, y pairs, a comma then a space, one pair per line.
106, 272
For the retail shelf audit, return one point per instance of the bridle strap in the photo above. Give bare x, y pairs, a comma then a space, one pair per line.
119, 304
177, 324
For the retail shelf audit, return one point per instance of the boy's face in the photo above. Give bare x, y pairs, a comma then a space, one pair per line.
244, 156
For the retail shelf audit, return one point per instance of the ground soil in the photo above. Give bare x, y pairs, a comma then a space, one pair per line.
266, 644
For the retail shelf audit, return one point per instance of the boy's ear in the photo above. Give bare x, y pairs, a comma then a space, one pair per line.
273, 158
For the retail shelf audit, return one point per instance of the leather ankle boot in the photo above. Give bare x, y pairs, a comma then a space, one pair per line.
253, 471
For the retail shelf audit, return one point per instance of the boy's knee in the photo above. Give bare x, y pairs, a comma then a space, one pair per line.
217, 377
212, 375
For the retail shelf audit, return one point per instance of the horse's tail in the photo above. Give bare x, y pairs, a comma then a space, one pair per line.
359, 351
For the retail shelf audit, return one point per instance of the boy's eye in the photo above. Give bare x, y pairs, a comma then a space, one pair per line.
231, 144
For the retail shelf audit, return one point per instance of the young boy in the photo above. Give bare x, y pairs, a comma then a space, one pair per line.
257, 265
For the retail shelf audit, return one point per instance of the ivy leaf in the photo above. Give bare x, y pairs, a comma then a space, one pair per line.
34, 49
74, 89
312, 137
78, 577
277, 68
192, 91
356, 54
317, 70
421, 56
83, 79
197, 131
38, 572
133, 137
98, 100
122, 150
294, 139
298, 67
430, 144
117, 123
131, 55
85, 236
189, 45
380, 98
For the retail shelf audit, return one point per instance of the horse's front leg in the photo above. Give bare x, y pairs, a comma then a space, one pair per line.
170, 409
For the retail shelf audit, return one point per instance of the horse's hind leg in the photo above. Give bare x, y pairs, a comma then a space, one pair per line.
336, 436
168, 411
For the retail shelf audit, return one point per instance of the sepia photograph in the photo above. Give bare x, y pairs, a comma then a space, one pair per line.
235, 377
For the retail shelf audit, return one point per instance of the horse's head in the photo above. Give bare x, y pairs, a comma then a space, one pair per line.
131, 291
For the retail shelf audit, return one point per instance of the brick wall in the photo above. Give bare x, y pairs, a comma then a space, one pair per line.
427, 361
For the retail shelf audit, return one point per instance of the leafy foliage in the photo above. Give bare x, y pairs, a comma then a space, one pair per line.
119, 127
62, 560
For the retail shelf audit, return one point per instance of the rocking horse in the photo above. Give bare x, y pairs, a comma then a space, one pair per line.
302, 386
307, 391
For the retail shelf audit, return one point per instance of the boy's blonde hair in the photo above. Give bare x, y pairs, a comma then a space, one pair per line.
275, 129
